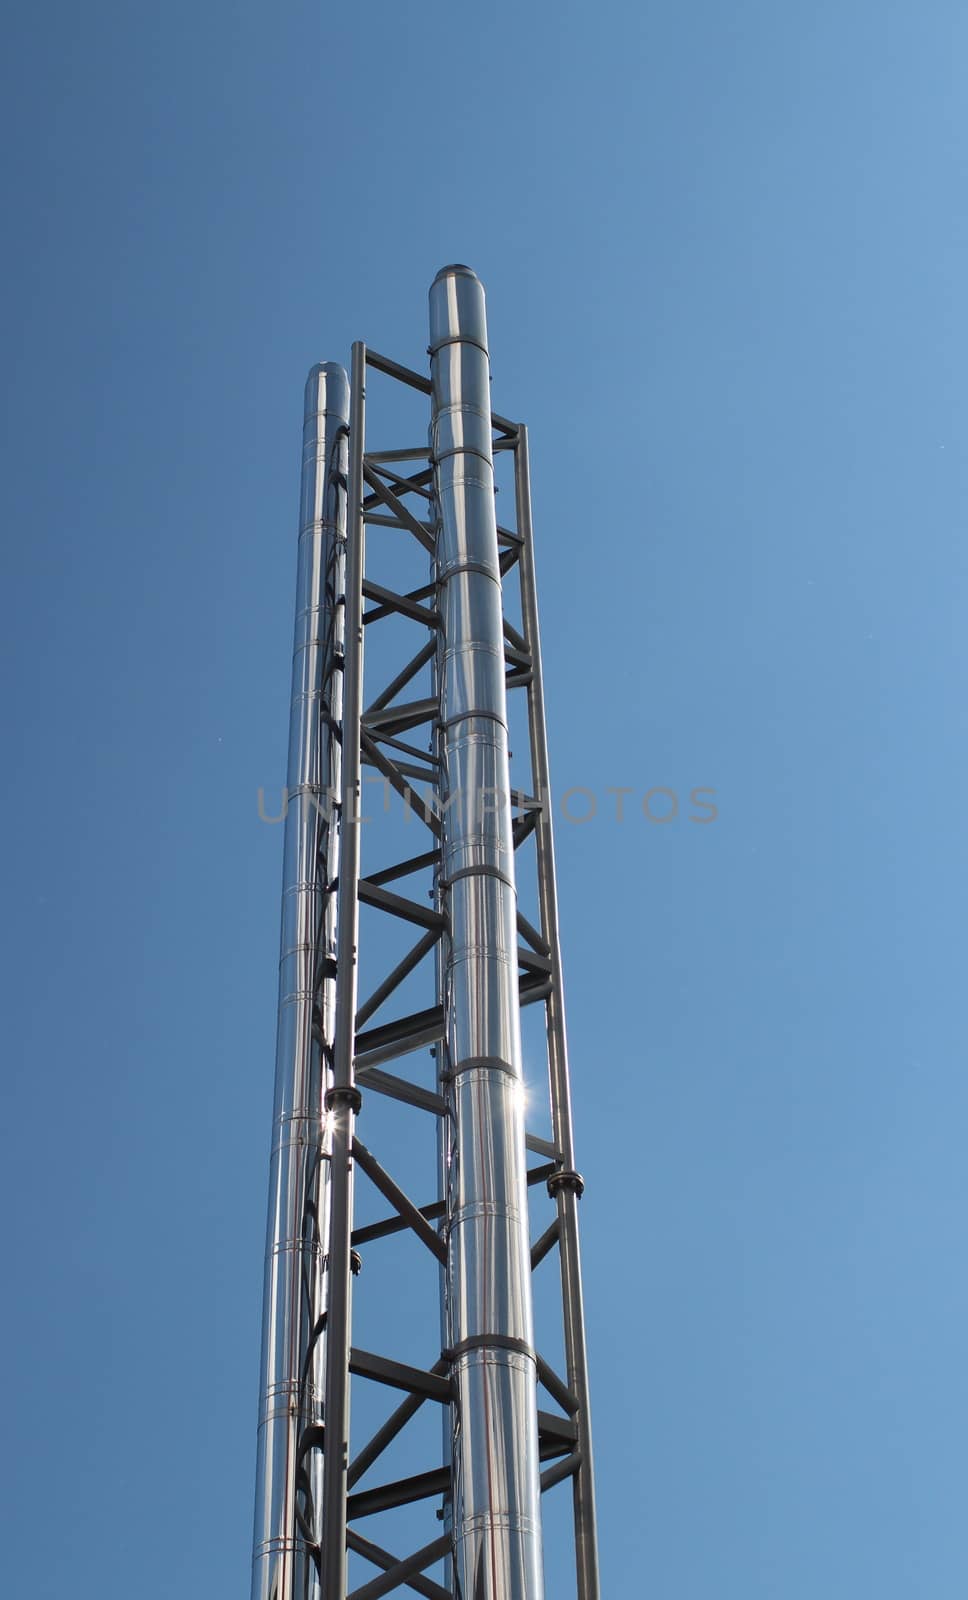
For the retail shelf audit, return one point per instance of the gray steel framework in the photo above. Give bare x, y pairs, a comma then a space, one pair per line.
514, 1427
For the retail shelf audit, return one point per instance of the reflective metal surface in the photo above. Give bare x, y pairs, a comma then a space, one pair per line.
309, 1501
343, 1097
567, 1193
488, 1316
288, 1507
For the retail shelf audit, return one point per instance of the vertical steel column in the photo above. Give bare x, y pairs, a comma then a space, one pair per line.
566, 1185
289, 1474
343, 1098
495, 1458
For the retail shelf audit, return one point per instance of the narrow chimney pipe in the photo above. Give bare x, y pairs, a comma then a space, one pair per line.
289, 1472
487, 1288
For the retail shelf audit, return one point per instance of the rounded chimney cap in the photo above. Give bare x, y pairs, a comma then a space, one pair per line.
456, 266
327, 391
327, 369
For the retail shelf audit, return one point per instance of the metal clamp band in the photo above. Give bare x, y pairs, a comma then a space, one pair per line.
457, 338
461, 450
490, 1062
485, 716
484, 870
489, 1341
468, 566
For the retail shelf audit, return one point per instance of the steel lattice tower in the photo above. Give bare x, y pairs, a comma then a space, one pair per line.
512, 1423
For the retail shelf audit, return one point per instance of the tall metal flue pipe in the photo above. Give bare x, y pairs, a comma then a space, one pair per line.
497, 1492
290, 1459
321, 1495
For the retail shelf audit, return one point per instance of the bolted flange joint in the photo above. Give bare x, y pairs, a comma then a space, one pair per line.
566, 1179
343, 1094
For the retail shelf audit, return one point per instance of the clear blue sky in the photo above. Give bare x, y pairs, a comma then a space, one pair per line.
726, 253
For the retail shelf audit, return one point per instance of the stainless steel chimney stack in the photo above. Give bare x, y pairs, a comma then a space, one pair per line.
288, 1528
497, 1494
399, 1270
